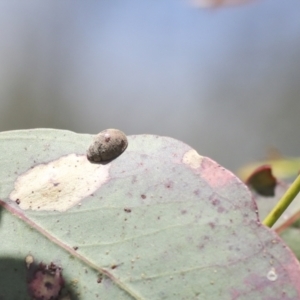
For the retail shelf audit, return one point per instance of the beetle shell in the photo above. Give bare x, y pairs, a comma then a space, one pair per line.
107, 145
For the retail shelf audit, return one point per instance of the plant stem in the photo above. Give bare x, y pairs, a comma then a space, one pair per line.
283, 203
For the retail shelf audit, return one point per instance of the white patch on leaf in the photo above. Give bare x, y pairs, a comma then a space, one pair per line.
192, 159
60, 184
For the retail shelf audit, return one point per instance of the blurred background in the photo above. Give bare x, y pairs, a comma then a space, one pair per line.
225, 81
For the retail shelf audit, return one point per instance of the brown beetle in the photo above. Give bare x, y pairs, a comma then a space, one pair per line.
107, 145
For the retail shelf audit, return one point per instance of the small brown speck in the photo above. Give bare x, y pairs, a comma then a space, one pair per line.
100, 277
128, 210
18, 201
75, 248
143, 196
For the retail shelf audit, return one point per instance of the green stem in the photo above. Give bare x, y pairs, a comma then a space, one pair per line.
283, 203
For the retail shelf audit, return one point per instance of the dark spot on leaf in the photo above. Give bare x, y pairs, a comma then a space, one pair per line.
211, 225
99, 279
128, 210
18, 201
143, 196
75, 248
215, 202
113, 267
48, 285
45, 282
183, 212
169, 184
197, 192
201, 246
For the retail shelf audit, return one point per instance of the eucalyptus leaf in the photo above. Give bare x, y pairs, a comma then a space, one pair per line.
158, 222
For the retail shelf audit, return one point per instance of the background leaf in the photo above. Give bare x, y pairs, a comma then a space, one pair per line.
292, 237
282, 168
158, 222
262, 181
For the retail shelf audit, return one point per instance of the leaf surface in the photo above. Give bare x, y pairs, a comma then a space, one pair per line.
158, 222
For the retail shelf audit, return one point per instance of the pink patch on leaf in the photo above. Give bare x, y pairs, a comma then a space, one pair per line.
215, 175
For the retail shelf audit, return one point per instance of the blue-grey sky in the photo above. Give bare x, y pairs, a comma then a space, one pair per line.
225, 81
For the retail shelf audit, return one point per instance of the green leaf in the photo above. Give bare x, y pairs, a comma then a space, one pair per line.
292, 237
158, 222
262, 181
282, 168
